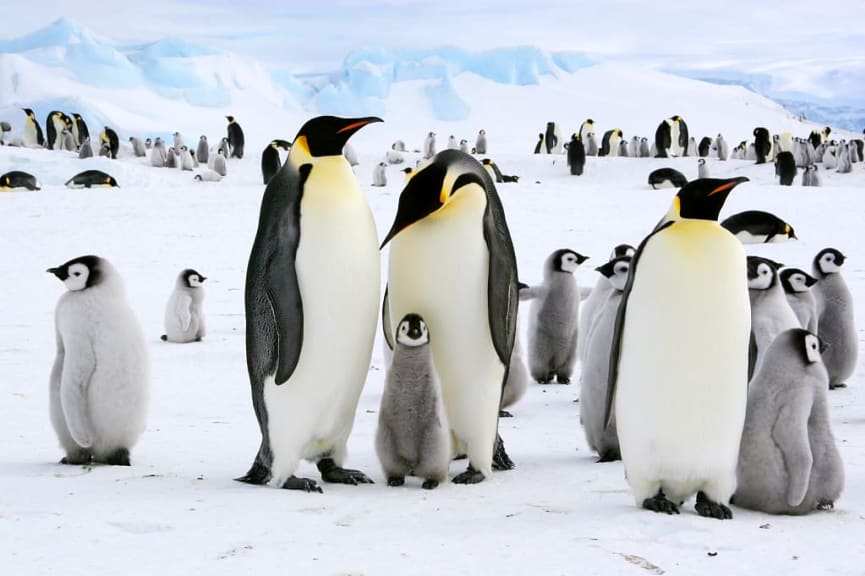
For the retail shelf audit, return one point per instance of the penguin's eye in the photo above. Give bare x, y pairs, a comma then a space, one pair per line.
76, 273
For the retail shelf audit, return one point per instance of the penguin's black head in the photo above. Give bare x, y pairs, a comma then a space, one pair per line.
809, 347
589, 121
29, 112
284, 144
412, 331
191, 278
80, 273
796, 280
617, 265
762, 273
828, 261
327, 135
622, 250
703, 199
566, 260
432, 186
230, 119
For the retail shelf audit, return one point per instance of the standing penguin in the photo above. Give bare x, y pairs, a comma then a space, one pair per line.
481, 142
109, 136
79, 129
452, 143
788, 460
702, 169
32, 135
452, 261
68, 141
554, 319
835, 319
379, 174
429, 146
552, 139
771, 314
137, 147
178, 141
185, 157
587, 128
762, 145
55, 124
576, 155
596, 364
220, 166
270, 161
464, 146
721, 148
797, 288
158, 154
680, 345
184, 319
85, 150
301, 313
842, 156
785, 168
704, 147
171, 158
413, 437
671, 138
202, 152
540, 146
610, 143
518, 376
100, 379
235, 138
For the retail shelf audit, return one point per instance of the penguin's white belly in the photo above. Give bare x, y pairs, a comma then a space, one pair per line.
675, 147
682, 382
337, 266
439, 269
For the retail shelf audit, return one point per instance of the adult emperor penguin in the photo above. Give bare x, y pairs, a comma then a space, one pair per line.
55, 124
452, 261
771, 314
235, 137
552, 139
671, 138
109, 136
32, 135
788, 460
100, 379
762, 145
92, 179
481, 142
797, 288
666, 178
302, 314
270, 160
18, 179
785, 168
679, 358
836, 324
540, 146
759, 227
610, 143
184, 319
586, 128
79, 129
576, 155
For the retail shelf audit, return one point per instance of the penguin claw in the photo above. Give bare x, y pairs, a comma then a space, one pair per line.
119, 457
659, 503
710, 509
837, 385
610, 455
303, 484
505, 414
825, 505
258, 474
501, 460
563, 379
396, 481
470, 476
83, 458
332, 473
429, 484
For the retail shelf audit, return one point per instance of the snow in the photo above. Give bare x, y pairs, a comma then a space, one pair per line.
177, 509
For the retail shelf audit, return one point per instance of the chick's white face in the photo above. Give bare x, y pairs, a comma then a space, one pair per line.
812, 348
763, 281
569, 262
77, 280
194, 281
799, 283
620, 275
406, 337
828, 264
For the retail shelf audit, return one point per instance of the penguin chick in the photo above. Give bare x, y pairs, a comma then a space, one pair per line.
184, 318
413, 437
100, 379
702, 169
836, 323
770, 312
379, 174
518, 376
788, 460
797, 288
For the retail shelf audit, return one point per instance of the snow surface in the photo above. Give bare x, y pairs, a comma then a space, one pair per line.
177, 509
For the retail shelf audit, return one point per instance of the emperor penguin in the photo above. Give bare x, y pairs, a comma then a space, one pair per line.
762, 145
4, 128
109, 136
785, 168
137, 147
553, 139
32, 136
86, 149
692, 147
634, 147
92, 179
679, 358
184, 318
17, 179
842, 155
576, 155
610, 143
518, 375
771, 314
671, 138
68, 141
178, 141
270, 160
302, 313
788, 460
721, 148
759, 227
591, 145
219, 162
235, 137
814, 175
394, 156
171, 158
540, 146
644, 148
105, 150
79, 129
224, 147
100, 380
202, 152
464, 146
148, 143
596, 364
413, 437
398, 146
452, 143
207, 176
797, 288
481, 142
704, 147
55, 124
554, 319
829, 157
452, 261
666, 178
379, 174
623, 148
836, 324
185, 159
158, 154
586, 128
702, 169
429, 146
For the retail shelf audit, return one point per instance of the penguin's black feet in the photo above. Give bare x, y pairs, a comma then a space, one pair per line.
429, 484
303, 484
501, 460
505, 414
258, 474
710, 509
76, 458
119, 457
659, 503
610, 455
395, 480
825, 505
460, 457
562, 379
332, 473
470, 476
546, 379
837, 385
164, 337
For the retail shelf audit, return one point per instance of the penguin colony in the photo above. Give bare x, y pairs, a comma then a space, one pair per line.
453, 365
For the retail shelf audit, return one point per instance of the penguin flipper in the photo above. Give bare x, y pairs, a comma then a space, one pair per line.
790, 434
616, 345
385, 320
79, 362
182, 309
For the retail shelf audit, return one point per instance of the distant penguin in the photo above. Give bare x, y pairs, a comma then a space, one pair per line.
623, 148
105, 150
666, 178
452, 143
225, 147
554, 319
811, 176
92, 179
702, 169
398, 145
788, 459
829, 158
184, 318
185, 159
55, 124
79, 129
771, 314
586, 128
270, 160
722, 148
692, 147
86, 149
785, 168
610, 143
552, 139
540, 145
100, 380
178, 141
591, 145
219, 163
171, 158
758, 227
148, 143
797, 288
394, 157
235, 138
17, 179
429, 146
481, 142
644, 148
671, 138
836, 323
32, 136
379, 174
350, 154
576, 155
413, 437
634, 147
158, 154
202, 152
109, 136
68, 141
137, 147
464, 146
762, 145
704, 147
207, 176
4, 128
595, 370
842, 155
